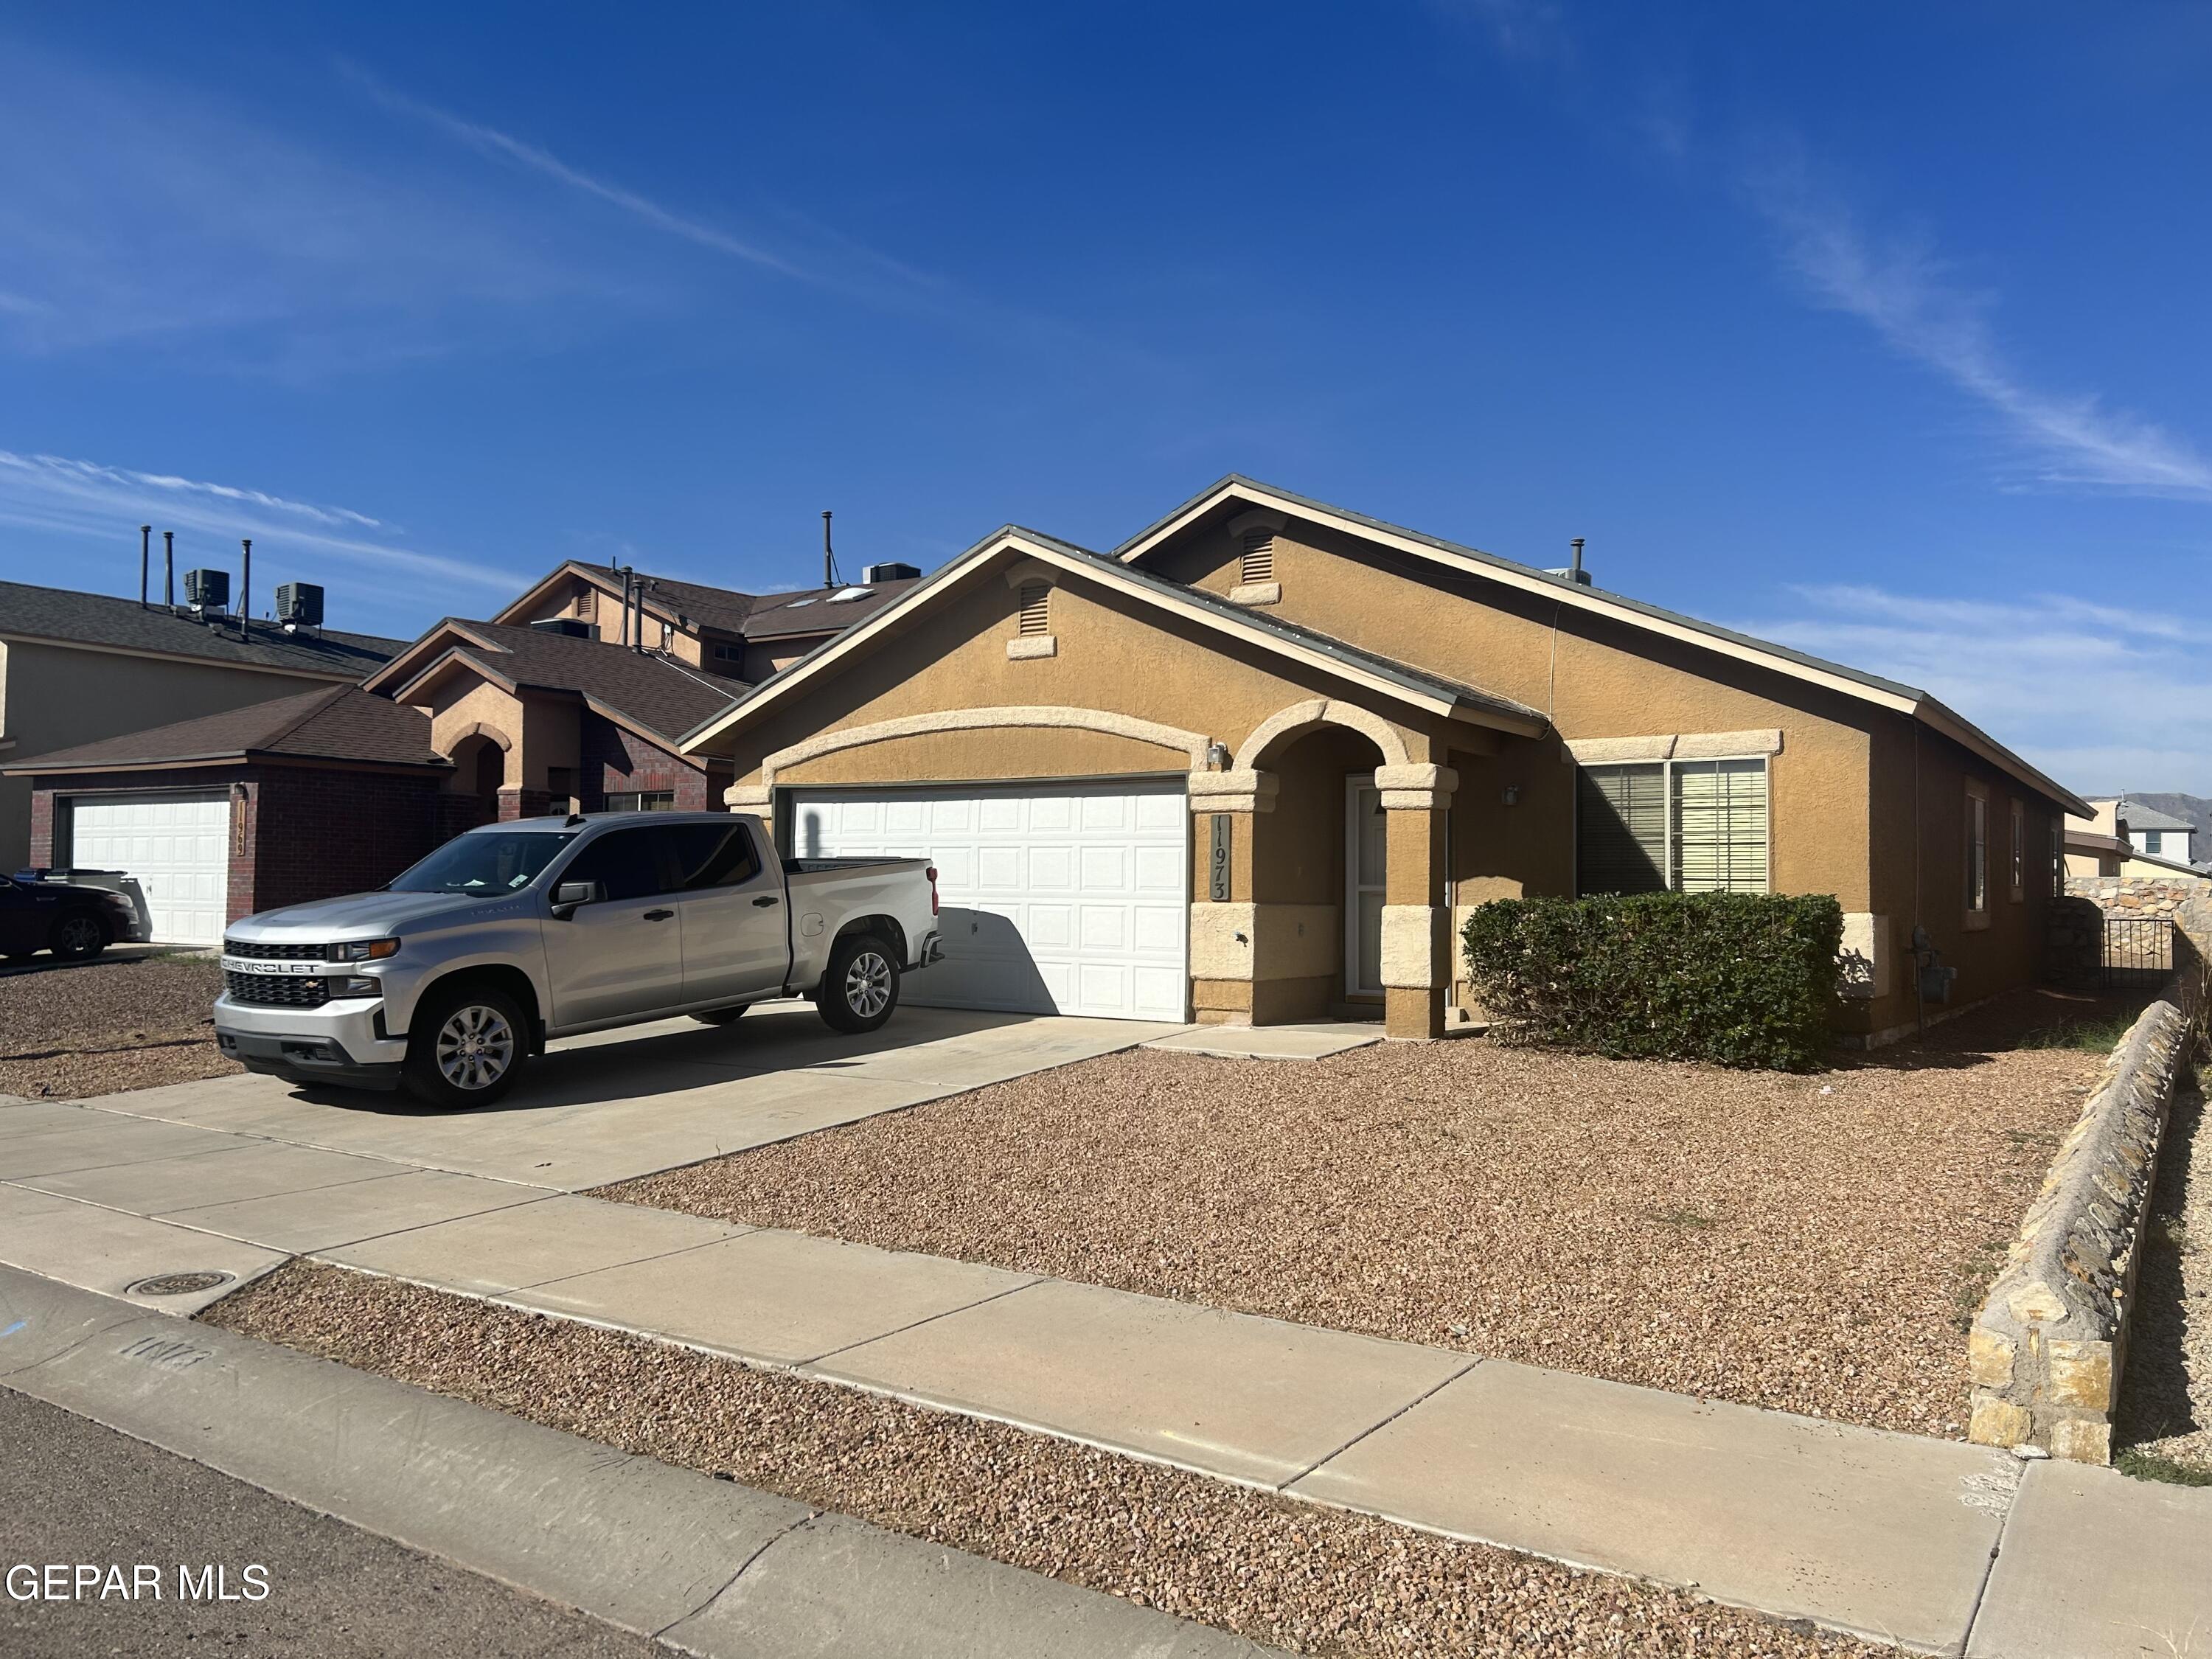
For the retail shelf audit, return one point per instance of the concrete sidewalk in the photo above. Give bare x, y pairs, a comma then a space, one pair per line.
1885, 1535
708, 1566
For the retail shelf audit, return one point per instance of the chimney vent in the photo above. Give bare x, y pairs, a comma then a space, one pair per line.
1574, 572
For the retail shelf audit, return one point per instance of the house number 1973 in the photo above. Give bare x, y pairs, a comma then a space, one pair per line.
1218, 863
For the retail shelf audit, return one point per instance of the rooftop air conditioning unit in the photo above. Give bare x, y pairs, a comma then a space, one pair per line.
206, 590
574, 627
300, 603
889, 573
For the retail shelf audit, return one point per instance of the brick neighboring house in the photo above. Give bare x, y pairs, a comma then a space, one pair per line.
326, 791
583, 689
77, 668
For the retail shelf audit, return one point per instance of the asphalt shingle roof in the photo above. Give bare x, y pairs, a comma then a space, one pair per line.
761, 615
331, 722
62, 614
2142, 815
666, 698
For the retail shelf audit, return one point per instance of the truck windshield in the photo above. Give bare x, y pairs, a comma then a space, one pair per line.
499, 862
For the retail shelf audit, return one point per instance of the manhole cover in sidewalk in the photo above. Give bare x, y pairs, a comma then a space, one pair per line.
178, 1284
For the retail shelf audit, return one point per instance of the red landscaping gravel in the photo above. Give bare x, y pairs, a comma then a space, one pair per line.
1812, 1244
1308, 1579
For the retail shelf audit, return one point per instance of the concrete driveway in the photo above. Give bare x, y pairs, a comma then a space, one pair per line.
231, 1174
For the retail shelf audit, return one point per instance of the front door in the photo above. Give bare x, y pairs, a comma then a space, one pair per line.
735, 937
1366, 850
621, 955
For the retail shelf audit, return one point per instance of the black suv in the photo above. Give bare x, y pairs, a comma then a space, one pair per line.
75, 923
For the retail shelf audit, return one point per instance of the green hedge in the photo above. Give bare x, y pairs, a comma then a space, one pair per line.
1740, 979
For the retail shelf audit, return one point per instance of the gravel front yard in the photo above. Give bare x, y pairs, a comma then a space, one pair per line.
1308, 1579
67, 1032
1814, 1244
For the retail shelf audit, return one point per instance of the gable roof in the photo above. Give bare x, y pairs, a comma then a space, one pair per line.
102, 622
331, 722
723, 610
1798, 665
655, 695
2139, 814
1432, 693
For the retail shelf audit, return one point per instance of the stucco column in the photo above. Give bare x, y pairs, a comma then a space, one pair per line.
1416, 925
1223, 962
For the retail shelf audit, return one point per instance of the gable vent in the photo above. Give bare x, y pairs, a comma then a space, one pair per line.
587, 604
1035, 598
1259, 556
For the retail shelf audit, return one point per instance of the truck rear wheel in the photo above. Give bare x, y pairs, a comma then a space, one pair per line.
861, 987
467, 1048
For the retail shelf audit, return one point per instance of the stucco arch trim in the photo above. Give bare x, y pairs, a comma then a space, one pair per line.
1322, 711
1191, 744
499, 738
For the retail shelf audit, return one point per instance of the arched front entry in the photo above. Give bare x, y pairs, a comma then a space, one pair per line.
479, 757
1337, 902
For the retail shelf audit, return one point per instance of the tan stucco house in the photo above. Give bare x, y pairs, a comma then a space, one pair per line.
1257, 763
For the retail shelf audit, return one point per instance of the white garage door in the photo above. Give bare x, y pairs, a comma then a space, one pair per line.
1059, 898
178, 844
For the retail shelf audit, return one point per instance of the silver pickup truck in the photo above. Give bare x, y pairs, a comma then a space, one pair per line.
450, 978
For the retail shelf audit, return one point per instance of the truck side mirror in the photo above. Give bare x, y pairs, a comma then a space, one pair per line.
570, 894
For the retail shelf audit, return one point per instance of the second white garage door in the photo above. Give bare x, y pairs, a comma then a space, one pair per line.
177, 844
1070, 899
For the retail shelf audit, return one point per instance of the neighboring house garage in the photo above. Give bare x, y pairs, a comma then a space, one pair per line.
1062, 897
325, 792
175, 842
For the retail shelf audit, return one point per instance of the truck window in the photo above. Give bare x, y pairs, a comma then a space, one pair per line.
714, 855
628, 864
491, 862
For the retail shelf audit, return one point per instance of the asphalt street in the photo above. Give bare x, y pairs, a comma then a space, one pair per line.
73, 1493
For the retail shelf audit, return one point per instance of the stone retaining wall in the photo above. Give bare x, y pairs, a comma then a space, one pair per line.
2047, 1351
2138, 896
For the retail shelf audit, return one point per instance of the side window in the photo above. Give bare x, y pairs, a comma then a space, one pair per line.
714, 855
628, 864
1620, 829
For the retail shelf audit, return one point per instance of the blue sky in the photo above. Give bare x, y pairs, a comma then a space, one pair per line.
1878, 330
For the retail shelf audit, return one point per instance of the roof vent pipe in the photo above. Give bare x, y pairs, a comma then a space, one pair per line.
145, 554
169, 569
245, 587
623, 639
828, 559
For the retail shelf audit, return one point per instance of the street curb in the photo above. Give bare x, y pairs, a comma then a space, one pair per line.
710, 1567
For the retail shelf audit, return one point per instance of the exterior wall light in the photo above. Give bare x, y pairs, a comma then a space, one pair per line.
1218, 755
1512, 794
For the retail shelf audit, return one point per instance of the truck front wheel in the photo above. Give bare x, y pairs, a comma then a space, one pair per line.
468, 1046
861, 985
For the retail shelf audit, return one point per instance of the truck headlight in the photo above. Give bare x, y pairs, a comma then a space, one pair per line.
362, 949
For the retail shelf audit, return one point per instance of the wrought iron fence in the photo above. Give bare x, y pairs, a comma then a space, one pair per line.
2138, 952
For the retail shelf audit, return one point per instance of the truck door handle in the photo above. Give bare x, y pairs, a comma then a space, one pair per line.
765, 901
658, 915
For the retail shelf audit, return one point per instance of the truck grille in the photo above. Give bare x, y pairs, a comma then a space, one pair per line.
272, 952
268, 991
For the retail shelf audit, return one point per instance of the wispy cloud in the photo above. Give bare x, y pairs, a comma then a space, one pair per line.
1913, 299
390, 583
2100, 696
492, 141
149, 212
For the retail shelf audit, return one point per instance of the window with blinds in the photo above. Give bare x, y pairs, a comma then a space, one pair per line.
1695, 826
1620, 829
1259, 556
1036, 596
1720, 826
